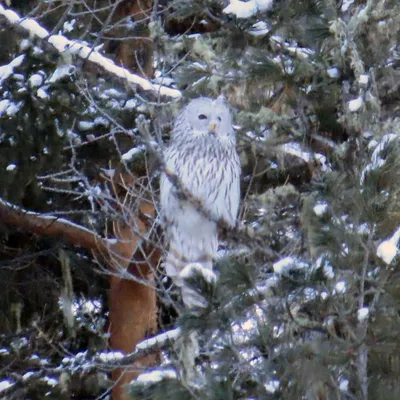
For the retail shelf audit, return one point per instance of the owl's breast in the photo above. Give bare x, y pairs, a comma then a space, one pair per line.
210, 172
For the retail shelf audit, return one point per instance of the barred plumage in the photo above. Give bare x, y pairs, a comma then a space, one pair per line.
202, 154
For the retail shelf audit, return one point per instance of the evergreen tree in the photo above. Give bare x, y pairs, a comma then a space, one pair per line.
305, 305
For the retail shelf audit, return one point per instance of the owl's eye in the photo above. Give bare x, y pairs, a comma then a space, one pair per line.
202, 116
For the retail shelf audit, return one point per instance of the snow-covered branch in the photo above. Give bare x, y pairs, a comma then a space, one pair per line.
117, 359
65, 46
82, 364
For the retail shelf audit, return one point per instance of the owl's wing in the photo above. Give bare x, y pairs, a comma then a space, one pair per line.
233, 191
168, 200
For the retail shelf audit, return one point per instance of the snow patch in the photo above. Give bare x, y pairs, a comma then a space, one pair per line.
372, 144
10, 15
111, 356
344, 385
259, 29
340, 287
60, 42
155, 376
284, 266
191, 297
4, 104
194, 269
86, 306
13, 108
8, 69
35, 80
247, 9
50, 381
388, 250
69, 25
324, 295
333, 72
131, 104
364, 229
363, 79
320, 209
159, 339
328, 271
102, 121
301, 52
27, 375
5, 385
323, 162
11, 167
296, 150
267, 289
65, 71
376, 160
128, 156
362, 314
34, 28
42, 94
355, 105
110, 173
85, 125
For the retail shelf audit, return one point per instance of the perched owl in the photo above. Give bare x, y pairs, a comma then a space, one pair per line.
202, 154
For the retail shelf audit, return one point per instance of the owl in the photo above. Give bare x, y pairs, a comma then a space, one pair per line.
202, 154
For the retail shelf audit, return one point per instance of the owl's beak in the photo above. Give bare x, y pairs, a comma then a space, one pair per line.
212, 128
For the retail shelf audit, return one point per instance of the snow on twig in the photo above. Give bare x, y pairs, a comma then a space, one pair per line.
64, 45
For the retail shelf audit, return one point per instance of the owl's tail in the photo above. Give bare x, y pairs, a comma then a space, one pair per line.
176, 262
179, 268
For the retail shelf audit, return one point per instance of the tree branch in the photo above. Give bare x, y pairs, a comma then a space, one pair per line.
27, 221
60, 44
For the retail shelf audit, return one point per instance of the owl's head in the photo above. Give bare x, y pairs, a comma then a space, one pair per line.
207, 117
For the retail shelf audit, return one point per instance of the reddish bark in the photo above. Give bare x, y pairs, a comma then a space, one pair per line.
135, 54
133, 305
133, 316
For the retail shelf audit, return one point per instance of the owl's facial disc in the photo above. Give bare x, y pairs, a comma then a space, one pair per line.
208, 117
208, 123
